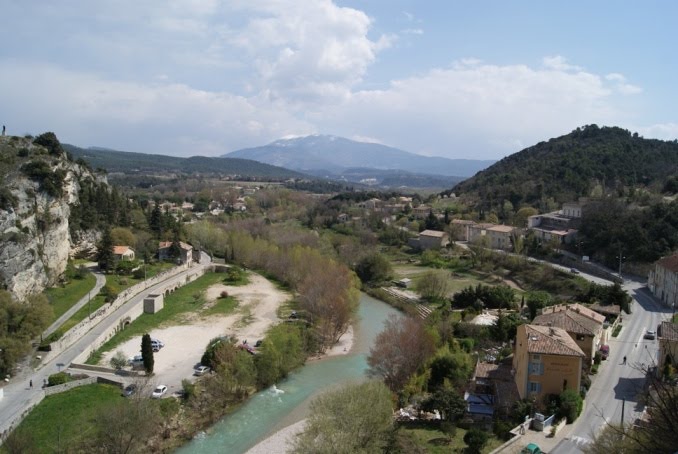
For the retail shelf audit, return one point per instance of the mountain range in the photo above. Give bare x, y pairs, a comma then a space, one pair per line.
327, 155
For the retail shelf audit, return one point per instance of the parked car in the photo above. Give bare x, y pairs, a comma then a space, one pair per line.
157, 343
604, 351
574, 271
159, 392
201, 370
649, 334
136, 360
129, 390
531, 449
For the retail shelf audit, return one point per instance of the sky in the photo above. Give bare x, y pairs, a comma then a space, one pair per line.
459, 79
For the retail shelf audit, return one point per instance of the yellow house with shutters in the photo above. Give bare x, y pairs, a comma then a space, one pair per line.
546, 360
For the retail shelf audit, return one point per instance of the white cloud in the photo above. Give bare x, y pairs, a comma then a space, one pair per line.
559, 63
663, 131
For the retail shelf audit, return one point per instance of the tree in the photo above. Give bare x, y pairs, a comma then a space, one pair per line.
399, 350
147, 353
475, 439
119, 360
354, 419
105, 257
433, 285
124, 426
571, 404
455, 368
449, 402
374, 268
122, 236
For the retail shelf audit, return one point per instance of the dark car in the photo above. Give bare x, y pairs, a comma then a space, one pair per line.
604, 351
129, 390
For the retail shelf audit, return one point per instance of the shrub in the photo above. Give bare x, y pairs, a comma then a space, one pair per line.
475, 439
571, 404
108, 293
58, 379
597, 358
119, 360
49, 140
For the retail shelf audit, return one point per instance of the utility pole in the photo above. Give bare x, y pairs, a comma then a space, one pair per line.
621, 257
622, 417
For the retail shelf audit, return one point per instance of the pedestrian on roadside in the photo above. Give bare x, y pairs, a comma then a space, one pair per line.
624, 360
30, 383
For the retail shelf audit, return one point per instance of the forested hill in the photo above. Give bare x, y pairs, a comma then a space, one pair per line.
131, 163
582, 163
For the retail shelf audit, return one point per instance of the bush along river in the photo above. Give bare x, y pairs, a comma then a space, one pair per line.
287, 402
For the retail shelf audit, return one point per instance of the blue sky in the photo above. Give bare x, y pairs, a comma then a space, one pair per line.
477, 80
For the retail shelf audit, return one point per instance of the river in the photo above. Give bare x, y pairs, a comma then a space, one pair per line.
286, 403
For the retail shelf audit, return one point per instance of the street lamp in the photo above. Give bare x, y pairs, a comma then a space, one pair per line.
620, 257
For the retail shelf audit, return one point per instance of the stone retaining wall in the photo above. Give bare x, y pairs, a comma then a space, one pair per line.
75, 333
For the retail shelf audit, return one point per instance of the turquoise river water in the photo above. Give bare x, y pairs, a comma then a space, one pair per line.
286, 403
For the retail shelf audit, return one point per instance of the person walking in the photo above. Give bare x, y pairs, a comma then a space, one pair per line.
30, 384
624, 360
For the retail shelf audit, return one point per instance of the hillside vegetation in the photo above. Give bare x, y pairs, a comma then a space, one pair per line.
131, 163
590, 161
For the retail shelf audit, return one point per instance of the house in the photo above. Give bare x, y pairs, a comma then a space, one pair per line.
421, 212
546, 360
343, 217
429, 239
123, 253
498, 236
185, 251
560, 226
492, 389
663, 280
583, 325
668, 345
460, 228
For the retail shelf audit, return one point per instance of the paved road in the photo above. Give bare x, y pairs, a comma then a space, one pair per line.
616, 381
100, 282
18, 395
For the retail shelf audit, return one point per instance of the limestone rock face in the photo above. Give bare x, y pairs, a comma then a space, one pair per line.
35, 241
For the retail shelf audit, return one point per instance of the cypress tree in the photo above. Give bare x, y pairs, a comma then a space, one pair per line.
105, 257
147, 353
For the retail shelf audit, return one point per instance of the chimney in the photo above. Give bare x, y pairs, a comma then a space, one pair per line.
551, 330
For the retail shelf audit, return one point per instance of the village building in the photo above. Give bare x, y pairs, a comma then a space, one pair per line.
663, 280
429, 239
668, 346
498, 236
546, 360
185, 251
560, 226
460, 228
123, 253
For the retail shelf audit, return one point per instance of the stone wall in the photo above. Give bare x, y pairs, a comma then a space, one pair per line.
75, 333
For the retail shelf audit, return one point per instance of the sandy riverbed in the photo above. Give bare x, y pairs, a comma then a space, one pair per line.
185, 343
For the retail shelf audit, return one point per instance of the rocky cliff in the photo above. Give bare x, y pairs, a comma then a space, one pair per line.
39, 184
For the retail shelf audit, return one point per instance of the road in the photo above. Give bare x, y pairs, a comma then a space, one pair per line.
100, 282
18, 395
615, 381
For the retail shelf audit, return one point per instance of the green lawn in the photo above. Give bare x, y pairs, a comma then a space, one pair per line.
457, 281
185, 300
61, 421
435, 442
63, 298
117, 284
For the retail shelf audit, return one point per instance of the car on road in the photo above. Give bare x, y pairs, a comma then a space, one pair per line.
129, 390
201, 370
574, 271
136, 360
157, 343
604, 351
159, 391
649, 334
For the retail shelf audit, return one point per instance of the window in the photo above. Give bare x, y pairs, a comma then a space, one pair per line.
536, 368
580, 337
536, 357
534, 387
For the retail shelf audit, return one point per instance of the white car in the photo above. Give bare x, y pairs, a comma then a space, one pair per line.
201, 370
157, 343
159, 391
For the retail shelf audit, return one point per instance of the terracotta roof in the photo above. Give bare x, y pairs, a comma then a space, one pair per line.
613, 309
670, 263
462, 222
669, 331
433, 233
551, 341
578, 308
120, 250
182, 245
502, 228
570, 321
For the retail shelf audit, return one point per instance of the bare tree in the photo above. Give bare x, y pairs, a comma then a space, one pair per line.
399, 350
433, 285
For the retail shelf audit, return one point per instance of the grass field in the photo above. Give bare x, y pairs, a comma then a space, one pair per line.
185, 300
457, 281
435, 442
117, 284
61, 421
63, 298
